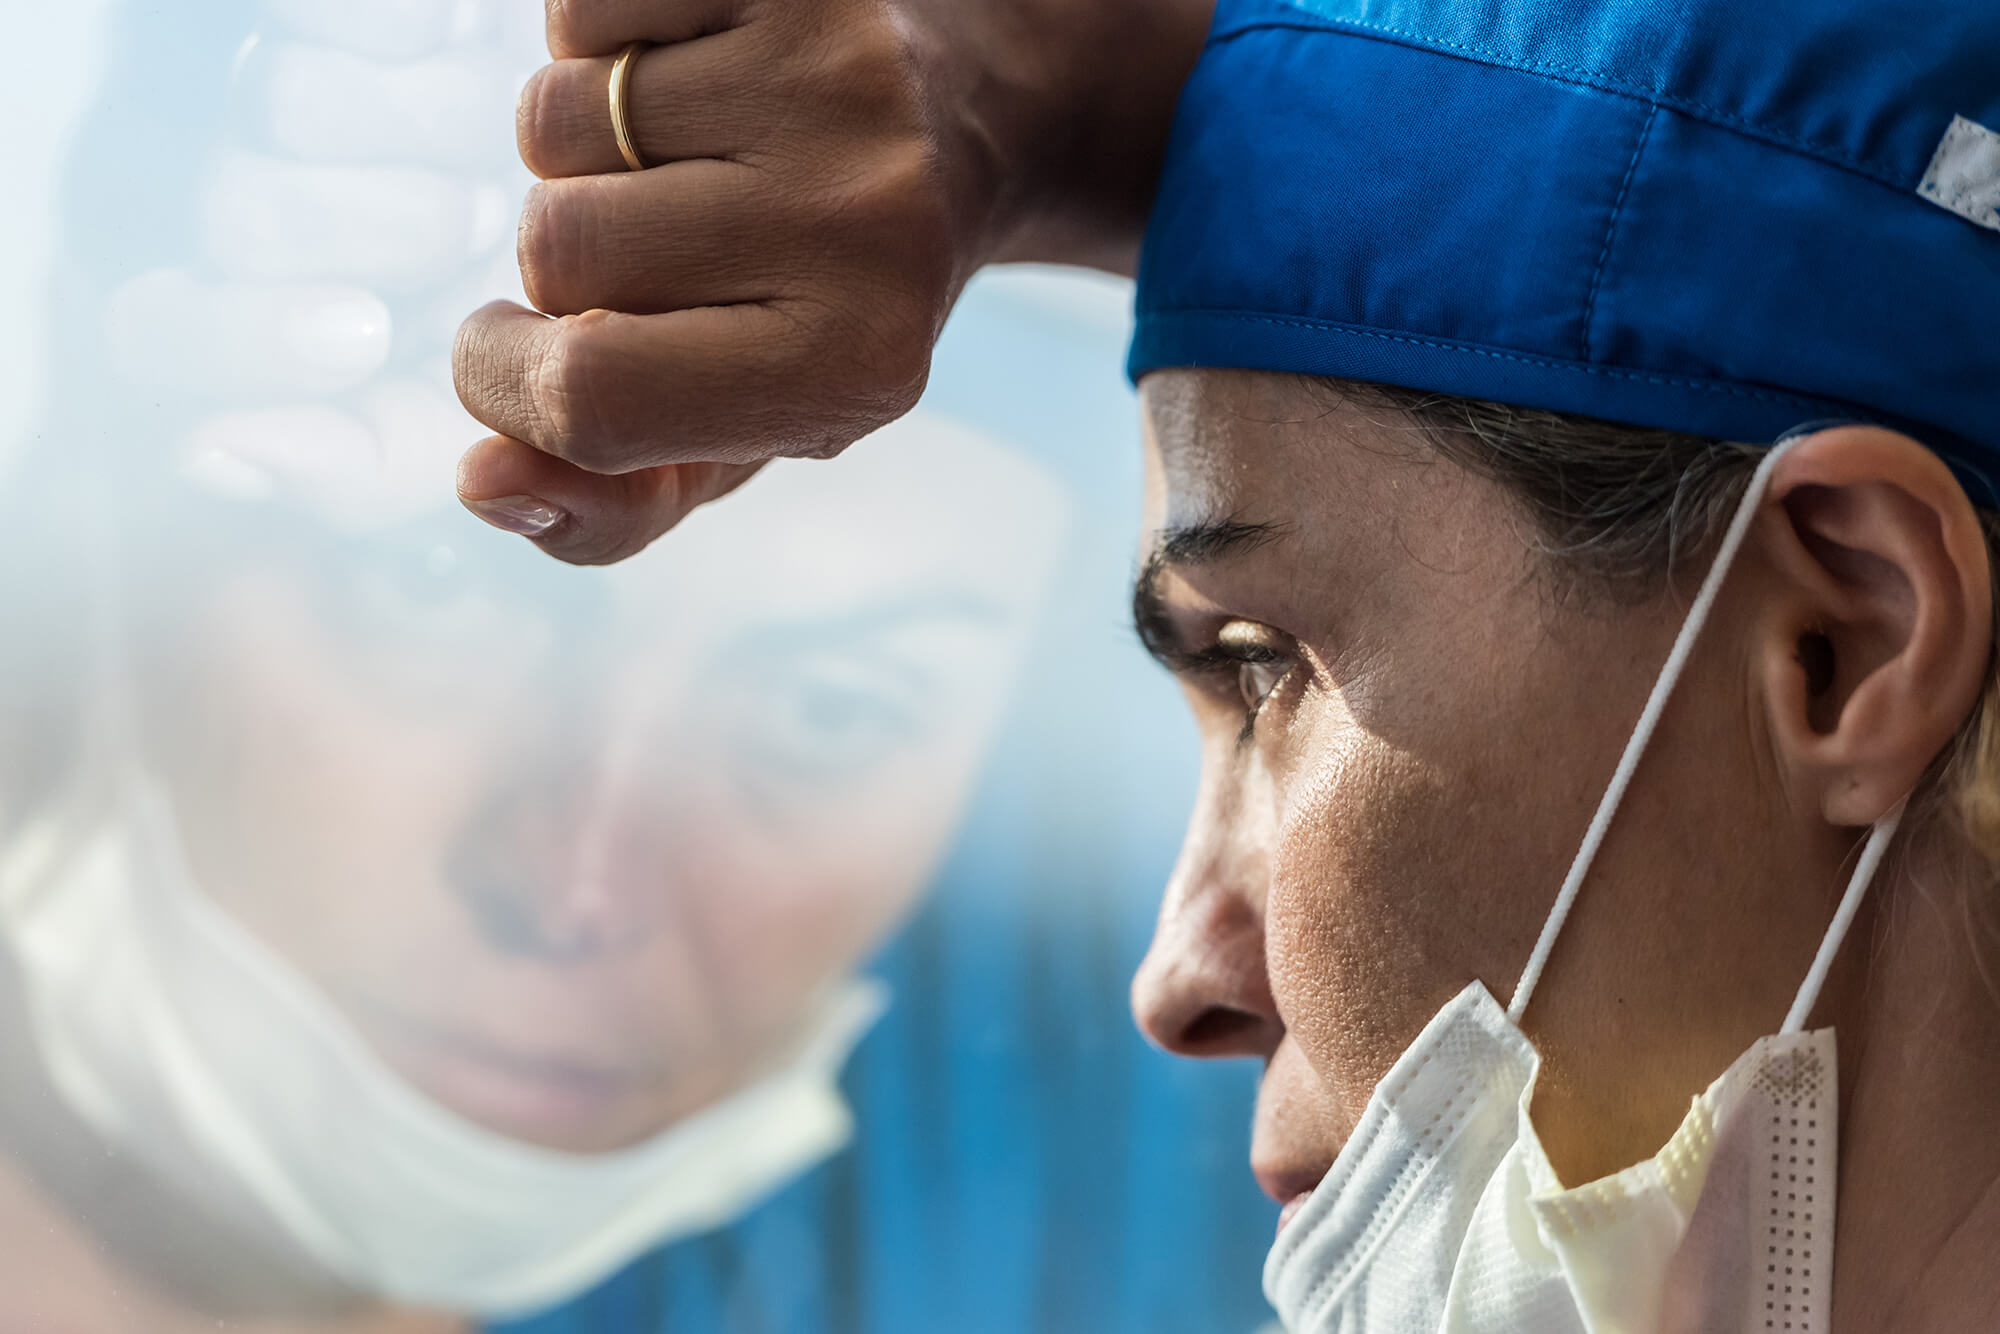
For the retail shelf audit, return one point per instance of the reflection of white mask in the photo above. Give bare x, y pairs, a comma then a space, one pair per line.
179, 1037
1442, 1213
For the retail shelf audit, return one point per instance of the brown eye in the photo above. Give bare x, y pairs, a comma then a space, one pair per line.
1256, 680
1260, 658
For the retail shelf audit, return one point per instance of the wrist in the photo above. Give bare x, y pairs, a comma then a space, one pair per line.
1056, 114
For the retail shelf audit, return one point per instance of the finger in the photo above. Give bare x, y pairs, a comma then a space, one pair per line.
604, 27
676, 107
325, 105
167, 331
693, 234
613, 393
391, 30
382, 227
583, 517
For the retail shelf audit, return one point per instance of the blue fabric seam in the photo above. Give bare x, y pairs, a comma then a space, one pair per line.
1526, 359
1611, 227
1575, 75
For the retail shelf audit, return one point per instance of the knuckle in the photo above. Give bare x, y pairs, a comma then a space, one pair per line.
900, 379
892, 210
572, 386
468, 364
601, 543
633, 512
828, 443
480, 366
870, 351
908, 182
862, 407
541, 121
565, 23
897, 176
561, 395
891, 365
865, 69
547, 246
899, 373
893, 335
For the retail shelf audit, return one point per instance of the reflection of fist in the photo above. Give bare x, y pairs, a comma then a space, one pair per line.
360, 204
825, 175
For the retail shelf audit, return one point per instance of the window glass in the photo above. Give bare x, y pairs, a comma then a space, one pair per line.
402, 931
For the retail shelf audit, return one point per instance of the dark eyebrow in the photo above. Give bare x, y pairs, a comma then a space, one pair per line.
1201, 543
1190, 545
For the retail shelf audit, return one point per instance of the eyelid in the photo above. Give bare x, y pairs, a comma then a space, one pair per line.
1250, 641
1243, 646
1226, 658
1234, 643
1238, 645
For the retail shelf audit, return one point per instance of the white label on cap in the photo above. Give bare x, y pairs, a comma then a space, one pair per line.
1965, 173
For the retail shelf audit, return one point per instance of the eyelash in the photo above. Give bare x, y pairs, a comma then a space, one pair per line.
1232, 663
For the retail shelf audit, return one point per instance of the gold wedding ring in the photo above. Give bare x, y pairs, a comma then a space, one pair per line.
621, 85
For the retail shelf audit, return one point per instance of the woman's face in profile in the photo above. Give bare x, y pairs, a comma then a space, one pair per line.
1405, 725
578, 852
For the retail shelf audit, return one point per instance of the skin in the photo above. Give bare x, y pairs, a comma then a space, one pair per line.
611, 861
1434, 732
602, 980
1399, 823
576, 859
830, 175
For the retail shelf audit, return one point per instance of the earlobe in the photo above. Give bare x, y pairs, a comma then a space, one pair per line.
1879, 649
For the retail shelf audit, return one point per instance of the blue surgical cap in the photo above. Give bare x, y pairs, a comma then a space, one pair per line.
1724, 217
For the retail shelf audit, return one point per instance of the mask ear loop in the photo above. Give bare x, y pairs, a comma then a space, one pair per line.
1843, 917
1642, 734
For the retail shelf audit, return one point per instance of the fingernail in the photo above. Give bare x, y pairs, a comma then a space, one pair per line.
518, 514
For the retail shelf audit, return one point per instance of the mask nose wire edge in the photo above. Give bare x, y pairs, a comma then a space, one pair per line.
1642, 734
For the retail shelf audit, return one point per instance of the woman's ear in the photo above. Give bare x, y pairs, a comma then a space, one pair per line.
1881, 643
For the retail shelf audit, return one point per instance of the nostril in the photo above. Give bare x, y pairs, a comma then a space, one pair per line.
1218, 1026
1203, 990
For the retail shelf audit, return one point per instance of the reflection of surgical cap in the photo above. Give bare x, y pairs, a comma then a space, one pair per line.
1709, 216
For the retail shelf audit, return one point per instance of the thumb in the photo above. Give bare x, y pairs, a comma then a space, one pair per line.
586, 518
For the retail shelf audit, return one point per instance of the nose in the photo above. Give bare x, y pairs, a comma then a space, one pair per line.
549, 877
578, 862
1203, 989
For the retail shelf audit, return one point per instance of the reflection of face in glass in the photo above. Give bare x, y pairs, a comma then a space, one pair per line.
578, 851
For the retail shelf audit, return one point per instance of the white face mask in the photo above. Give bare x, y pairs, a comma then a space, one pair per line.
1442, 1213
178, 1037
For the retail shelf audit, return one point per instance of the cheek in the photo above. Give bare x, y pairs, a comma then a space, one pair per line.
311, 811
1390, 890
800, 885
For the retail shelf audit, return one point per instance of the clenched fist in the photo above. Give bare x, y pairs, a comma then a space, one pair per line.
823, 176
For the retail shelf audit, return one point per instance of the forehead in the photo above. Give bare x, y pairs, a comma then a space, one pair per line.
925, 503
927, 507
1354, 492
1282, 449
